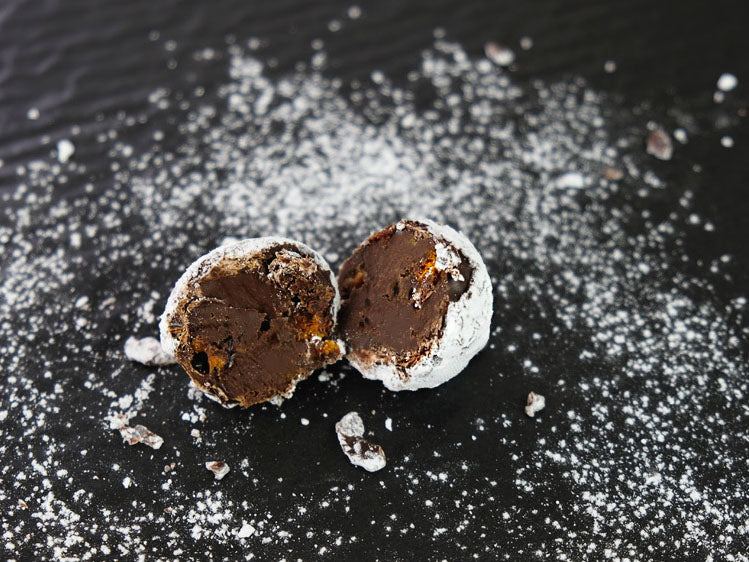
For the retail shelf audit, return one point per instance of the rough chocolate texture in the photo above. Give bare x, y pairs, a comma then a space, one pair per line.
395, 291
252, 326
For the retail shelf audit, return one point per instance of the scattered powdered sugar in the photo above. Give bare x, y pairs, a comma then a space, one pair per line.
127, 406
642, 457
360, 451
534, 404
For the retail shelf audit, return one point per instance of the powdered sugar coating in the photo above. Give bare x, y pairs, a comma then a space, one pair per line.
236, 250
466, 331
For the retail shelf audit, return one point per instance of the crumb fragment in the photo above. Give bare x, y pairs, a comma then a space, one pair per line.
727, 82
659, 144
681, 135
570, 180
147, 351
360, 452
65, 149
613, 174
534, 404
169, 467
219, 469
499, 54
140, 434
245, 531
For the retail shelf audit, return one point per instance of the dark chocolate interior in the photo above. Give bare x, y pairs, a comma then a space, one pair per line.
255, 325
394, 299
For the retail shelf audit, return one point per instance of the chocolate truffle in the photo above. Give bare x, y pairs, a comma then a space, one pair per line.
416, 305
249, 320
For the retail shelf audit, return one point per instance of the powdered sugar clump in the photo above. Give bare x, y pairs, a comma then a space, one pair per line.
727, 82
65, 149
147, 351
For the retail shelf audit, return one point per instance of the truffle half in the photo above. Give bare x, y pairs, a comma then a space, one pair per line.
416, 305
249, 320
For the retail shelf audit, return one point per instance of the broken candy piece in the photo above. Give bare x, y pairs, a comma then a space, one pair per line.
534, 404
659, 144
499, 54
416, 305
147, 351
613, 174
140, 434
360, 452
249, 320
219, 469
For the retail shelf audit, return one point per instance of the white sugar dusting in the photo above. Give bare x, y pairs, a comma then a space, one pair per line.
597, 298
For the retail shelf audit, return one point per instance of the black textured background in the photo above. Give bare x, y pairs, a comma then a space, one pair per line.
82, 62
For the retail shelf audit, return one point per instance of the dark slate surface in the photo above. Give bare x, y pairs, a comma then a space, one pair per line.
82, 62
